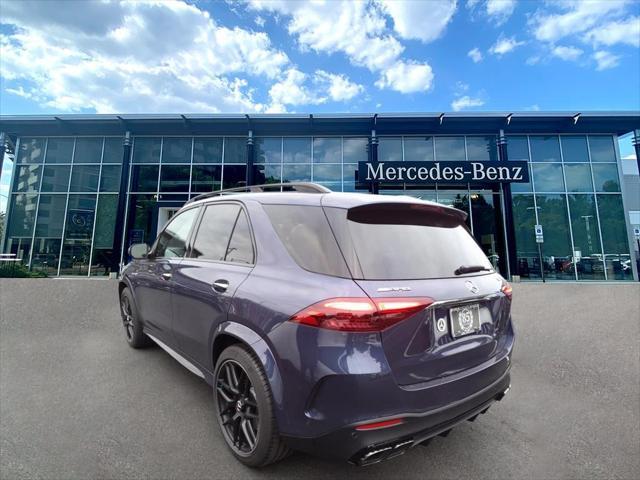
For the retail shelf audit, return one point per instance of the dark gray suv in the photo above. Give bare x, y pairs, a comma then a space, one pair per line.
351, 326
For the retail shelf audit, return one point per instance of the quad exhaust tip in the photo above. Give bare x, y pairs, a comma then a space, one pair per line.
384, 452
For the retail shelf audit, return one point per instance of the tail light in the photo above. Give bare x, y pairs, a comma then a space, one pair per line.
378, 425
360, 314
507, 289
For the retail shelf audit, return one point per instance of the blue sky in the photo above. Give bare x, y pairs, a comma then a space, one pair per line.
324, 56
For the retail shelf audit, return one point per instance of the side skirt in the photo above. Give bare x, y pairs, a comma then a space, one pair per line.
179, 358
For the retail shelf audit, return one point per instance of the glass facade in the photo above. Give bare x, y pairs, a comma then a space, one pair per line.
64, 197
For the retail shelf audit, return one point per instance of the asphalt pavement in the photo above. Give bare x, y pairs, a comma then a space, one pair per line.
77, 403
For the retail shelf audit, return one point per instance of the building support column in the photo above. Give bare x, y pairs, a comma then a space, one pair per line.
373, 159
121, 221
636, 145
508, 210
250, 173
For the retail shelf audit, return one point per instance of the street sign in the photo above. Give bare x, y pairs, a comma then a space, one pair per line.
636, 232
539, 234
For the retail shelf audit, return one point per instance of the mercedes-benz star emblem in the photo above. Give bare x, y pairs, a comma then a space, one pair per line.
442, 325
472, 287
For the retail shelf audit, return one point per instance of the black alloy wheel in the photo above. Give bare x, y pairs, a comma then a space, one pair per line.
127, 317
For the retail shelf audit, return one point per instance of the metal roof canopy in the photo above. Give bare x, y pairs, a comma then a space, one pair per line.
433, 123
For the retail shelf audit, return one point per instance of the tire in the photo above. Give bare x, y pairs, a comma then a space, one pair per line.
245, 410
132, 326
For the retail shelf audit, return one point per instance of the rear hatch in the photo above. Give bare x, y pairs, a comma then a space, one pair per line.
425, 250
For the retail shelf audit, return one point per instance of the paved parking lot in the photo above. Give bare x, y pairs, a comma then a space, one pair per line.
77, 402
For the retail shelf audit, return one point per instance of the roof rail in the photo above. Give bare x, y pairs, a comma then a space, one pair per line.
302, 187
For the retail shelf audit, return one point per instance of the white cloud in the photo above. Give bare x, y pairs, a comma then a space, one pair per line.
605, 60
465, 102
475, 54
500, 10
338, 87
260, 21
359, 31
504, 45
418, 19
133, 57
566, 53
612, 33
533, 108
292, 91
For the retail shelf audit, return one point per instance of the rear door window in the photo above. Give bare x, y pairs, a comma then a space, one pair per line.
172, 242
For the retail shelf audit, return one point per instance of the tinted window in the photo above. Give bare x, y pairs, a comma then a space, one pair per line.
212, 239
602, 149
418, 149
450, 148
399, 242
306, 235
544, 149
240, 248
574, 148
173, 240
482, 148
517, 148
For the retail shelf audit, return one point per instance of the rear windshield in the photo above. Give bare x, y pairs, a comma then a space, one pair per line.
403, 242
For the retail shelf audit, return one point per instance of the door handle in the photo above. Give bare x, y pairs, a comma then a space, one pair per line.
221, 285
166, 275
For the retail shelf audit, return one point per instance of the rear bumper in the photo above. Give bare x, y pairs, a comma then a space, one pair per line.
372, 446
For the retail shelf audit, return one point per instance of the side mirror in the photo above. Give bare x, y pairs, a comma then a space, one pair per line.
139, 250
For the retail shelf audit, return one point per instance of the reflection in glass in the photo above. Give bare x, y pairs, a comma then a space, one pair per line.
524, 220
614, 237
574, 148
327, 150
450, 149
48, 234
110, 178
235, 150
457, 199
84, 178
176, 150
586, 238
601, 148
207, 150
327, 173
422, 194
102, 256
418, 149
88, 150
206, 178
522, 186
296, 150
485, 228
390, 149
31, 150
27, 178
146, 150
557, 254
482, 148
296, 173
355, 149
59, 150
266, 174
140, 220
578, 177
544, 148
517, 147
78, 233
548, 177
55, 178
605, 178
268, 149
174, 178
144, 178
113, 150
20, 227
234, 176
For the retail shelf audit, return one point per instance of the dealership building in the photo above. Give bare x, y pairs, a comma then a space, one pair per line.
545, 193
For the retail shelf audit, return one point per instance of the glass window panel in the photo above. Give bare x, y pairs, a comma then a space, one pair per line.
240, 248
212, 237
524, 186
605, 178
59, 150
544, 148
578, 177
113, 150
78, 233
454, 198
48, 234
103, 254
234, 176
482, 148
84, 178
296, 150
88, 150
206, 178
390, 149
141, 220
207, 150
548, 177
614, 237
517, 147
349, 172
427, 194
602, 148
22, 215
144, 178
176, 150
235, 150
333, 186
110, 178
31, 150
268, 149
146, 150
55, 178
174, 178
327, 150
267, 174
586, 237
418, 149
327, 173
450, 149
172, 241
557, 254
355, 149
296, 173
574, 148
27, 178
485, 227
524, 220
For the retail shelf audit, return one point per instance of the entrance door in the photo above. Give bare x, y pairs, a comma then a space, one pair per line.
164, 215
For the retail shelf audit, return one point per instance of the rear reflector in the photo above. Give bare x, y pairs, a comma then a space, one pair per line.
360, 314
378, 425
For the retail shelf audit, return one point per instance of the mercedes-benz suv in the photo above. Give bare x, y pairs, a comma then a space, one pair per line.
351, 326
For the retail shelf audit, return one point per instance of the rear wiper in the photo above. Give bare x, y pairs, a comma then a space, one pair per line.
470, 269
